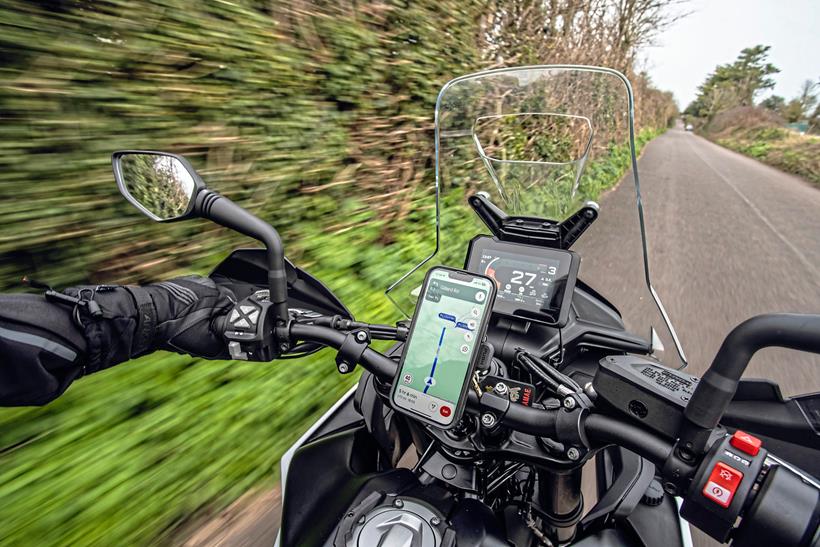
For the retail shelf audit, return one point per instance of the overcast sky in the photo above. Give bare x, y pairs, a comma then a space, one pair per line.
717, 31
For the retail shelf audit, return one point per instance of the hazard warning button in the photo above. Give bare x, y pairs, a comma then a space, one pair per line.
745, 443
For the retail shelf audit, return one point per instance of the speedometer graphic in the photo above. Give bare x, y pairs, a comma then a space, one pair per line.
490, 272
523, 281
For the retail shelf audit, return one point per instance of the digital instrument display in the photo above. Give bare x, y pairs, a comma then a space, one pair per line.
533, 283
448, 327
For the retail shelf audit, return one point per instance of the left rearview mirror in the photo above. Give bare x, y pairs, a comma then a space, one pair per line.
163, 186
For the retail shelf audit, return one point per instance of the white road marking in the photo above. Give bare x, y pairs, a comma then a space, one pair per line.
806, 262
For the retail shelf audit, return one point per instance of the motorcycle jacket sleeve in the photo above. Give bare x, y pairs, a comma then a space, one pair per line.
47, 342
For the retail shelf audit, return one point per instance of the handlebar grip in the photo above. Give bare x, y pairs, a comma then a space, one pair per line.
786, 511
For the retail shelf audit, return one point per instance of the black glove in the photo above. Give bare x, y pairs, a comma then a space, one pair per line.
178, 315
48, 342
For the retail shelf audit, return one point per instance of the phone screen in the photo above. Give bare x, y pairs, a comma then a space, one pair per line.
448, 327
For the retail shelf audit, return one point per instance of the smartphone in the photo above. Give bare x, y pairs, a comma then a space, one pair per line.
448, 328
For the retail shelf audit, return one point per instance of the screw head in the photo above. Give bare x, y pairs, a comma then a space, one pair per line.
569, 403
573, 453
361, 336
487, 419
283, 347
398, 503
501, 389
435, 521
343, 368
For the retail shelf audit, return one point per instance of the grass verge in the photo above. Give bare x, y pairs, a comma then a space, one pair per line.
759, 134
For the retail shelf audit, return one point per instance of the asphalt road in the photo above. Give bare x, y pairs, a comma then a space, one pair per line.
729, 238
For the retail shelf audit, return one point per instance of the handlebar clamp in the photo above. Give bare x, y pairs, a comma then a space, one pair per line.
351, 350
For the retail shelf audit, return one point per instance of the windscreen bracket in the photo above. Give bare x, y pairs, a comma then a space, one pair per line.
540, 232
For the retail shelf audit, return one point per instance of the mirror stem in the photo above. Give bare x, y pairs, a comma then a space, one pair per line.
223, 211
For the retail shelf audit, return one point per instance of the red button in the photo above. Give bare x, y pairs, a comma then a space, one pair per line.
745, 443
444, 411
722, 484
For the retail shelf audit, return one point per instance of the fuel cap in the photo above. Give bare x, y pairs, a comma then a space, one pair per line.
408, 525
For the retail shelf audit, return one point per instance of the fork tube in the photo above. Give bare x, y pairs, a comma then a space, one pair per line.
559, 495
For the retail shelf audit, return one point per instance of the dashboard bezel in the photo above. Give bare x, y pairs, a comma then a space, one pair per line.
557, 314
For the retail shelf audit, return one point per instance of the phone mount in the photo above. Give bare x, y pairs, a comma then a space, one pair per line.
533, 230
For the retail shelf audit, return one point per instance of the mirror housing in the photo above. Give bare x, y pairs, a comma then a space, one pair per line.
162, 186
173, 177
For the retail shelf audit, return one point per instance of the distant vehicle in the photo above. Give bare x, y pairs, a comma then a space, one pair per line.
689, 127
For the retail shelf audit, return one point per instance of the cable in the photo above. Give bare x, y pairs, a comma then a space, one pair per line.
557, 375
523, 358
501, 479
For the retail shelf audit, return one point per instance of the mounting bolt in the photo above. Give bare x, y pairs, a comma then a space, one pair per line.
343, 368
487, 419
569, 403
361, 336
501, 389
573, 453
435, 521
283, 347
398, 503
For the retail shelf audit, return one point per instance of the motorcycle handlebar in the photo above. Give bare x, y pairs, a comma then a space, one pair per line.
371, 360
542, 423
612, 431
764, 515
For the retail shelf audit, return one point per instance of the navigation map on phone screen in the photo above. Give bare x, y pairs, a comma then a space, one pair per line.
446, 331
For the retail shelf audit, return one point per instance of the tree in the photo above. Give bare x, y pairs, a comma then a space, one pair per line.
807, 98
775, 103
793, 111
734, 84
802, 107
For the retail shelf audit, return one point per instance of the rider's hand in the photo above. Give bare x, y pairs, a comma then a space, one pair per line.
176, 315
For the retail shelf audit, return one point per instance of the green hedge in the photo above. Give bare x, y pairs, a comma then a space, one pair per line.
318, 118
778, 147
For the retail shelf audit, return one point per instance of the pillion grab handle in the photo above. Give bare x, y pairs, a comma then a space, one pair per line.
718, 385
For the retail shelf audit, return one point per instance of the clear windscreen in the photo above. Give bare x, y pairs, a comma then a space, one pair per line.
540, 142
